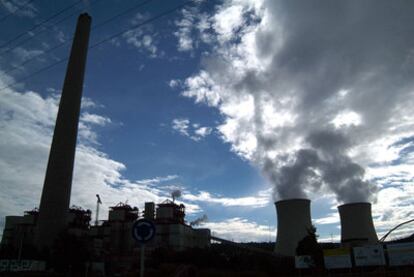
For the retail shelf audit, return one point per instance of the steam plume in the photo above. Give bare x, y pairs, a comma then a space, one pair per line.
321, 166
312, 92
175, 194
199, 220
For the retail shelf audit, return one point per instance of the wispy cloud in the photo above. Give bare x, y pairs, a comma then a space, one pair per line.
26, 126
262, 199
192, 28
23, 54
332, 218
241, 230
20, 7
94, 119
144, 38
157, 180
193, 131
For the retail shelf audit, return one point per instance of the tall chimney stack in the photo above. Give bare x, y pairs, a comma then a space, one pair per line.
54, 203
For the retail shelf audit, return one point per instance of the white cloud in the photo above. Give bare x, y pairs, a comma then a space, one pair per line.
20, 7
183, 34
26, 125
332, 218
203, 131
144, 38
240, 230
95, 119
262, 199
60, 36
275, 86
227, 21
157, 180
202, 88
181, 125
23, 54
140, 40
192, 131
192, 28
174, 83
347, 118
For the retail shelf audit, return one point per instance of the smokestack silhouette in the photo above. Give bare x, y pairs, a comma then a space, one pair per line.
54, 203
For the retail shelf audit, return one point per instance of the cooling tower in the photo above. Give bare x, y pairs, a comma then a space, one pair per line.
54, 203
357, 226
293, 222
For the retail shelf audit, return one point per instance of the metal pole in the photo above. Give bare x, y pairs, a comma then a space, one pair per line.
141, 268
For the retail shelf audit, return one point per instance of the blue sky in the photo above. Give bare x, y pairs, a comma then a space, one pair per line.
237, 103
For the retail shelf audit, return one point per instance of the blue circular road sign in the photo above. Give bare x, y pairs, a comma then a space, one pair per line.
143, 230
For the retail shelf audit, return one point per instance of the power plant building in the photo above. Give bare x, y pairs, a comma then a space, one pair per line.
111, 240
293, 223
171, 230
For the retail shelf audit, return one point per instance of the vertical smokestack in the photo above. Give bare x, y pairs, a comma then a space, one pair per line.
357, 226
54, 204
293, 222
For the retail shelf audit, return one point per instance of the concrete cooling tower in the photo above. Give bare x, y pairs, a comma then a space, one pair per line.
357, 226
293, 222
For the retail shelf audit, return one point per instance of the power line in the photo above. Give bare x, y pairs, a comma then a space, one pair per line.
7, 50
65, 42
43, 30
13, 12
40, 24
136, 26
13, 68
121, 14
35, 73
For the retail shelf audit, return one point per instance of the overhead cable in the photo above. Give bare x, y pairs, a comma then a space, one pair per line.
43, 30
136, 26
65, 42
39, 24
13, 12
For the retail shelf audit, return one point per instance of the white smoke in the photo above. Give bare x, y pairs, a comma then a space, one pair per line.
311, 92
321, 166
175, 194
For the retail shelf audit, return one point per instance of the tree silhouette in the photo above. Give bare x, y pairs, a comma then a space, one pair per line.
309, 246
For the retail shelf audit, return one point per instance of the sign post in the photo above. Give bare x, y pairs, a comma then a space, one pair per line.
143, 231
